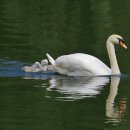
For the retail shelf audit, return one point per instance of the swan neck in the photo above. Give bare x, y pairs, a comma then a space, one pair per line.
112, 57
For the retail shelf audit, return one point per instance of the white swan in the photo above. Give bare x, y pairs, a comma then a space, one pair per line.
37, 67
80, 64
44, 65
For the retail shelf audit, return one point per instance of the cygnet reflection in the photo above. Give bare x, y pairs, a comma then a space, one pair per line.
78, 88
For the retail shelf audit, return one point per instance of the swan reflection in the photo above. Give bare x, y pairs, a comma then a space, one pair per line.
115, 111
74, 88
77, 88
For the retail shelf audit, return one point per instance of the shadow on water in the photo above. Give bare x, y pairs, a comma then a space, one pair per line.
73, 88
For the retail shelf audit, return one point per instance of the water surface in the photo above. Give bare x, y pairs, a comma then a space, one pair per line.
28, 30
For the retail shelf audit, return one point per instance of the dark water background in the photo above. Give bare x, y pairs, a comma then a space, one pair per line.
28, 30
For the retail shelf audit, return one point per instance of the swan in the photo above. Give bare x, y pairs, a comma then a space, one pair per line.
80, 64
36, 67
44, 65
39, 67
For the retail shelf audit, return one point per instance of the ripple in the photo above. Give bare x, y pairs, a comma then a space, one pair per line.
10, 68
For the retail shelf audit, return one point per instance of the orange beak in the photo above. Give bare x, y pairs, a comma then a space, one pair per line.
122, 44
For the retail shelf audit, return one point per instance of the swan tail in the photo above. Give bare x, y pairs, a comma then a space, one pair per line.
51, 60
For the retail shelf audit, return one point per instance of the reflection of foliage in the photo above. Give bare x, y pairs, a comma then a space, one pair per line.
122, 106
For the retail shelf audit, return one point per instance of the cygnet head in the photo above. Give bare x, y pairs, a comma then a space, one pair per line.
116, 39
44, 62
36, 64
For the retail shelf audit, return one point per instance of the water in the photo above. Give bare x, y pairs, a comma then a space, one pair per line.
28, 30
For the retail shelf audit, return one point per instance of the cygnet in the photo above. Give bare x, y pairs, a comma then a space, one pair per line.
44, 65
36, 67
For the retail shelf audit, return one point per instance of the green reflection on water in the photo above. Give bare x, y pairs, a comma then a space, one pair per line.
60, 28
29, 29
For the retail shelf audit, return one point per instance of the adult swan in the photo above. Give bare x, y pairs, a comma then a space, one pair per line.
80, 64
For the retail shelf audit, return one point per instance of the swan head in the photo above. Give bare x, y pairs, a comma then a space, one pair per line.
117, 39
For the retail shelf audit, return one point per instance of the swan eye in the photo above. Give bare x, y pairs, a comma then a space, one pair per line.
121, 40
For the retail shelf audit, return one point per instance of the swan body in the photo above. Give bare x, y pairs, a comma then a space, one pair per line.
76, 65
80, 64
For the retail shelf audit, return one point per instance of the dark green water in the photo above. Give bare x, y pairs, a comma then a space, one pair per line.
28, 30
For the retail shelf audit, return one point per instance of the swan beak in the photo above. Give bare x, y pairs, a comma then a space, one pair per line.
122, 44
